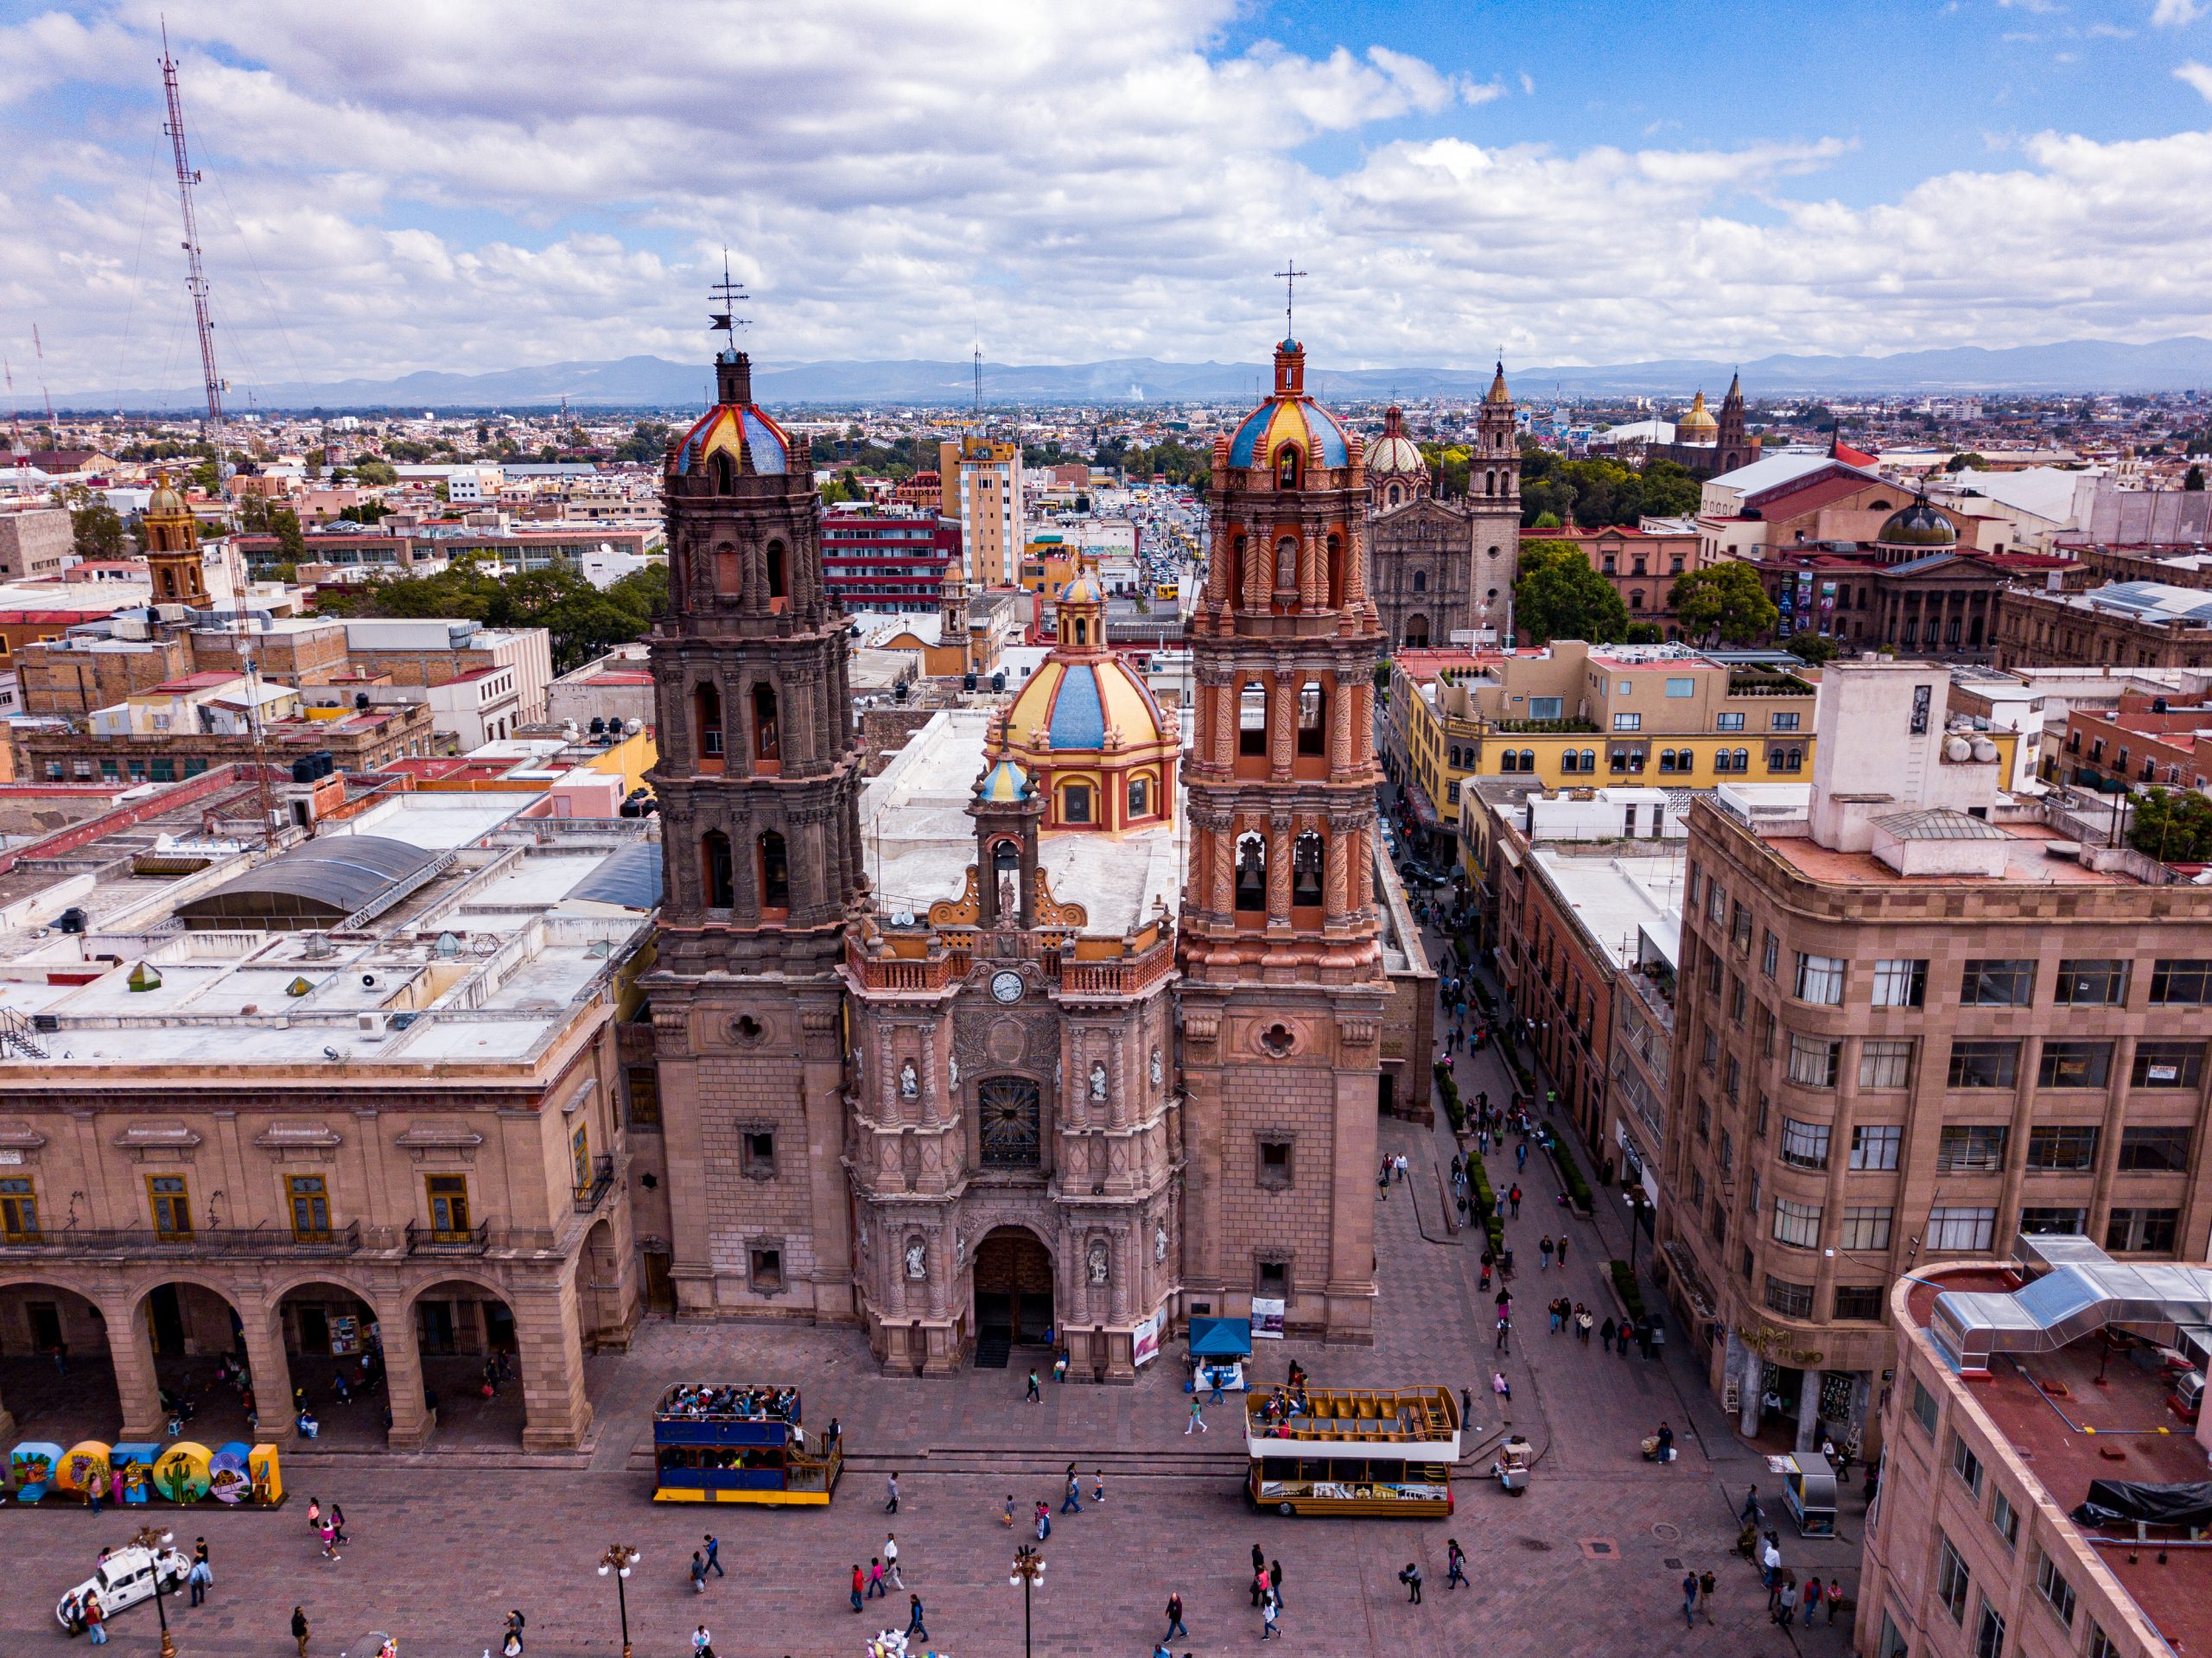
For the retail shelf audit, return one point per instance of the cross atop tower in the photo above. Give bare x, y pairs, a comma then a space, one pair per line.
730, 292
1290, 273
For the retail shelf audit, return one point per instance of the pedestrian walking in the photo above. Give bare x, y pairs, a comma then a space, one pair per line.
96, 1624
1455, 1559
1521, 1155
698, 1573
714, 1551
875, 1577
329, 1541
338, 1521
1466, 1409
1810, 1597
1835, 1599
1044, 1520
1562, 1251
915, 1628
1009, 1511
1097, 1485
1544, 1254
891, 1506
1786, 1610
1072, 1502
1260, 1584
1706, 1584
299, 1628
1606, 1333
1036, 1394
1513, 1197
1274, 1581
1501, 1387
890, 1559
1411, 1577
200, 1578
1504, 1331
702, 1644
1060, 1369
1402, 1168
1382, 1177
1267, 1614
860, 1582
1749, 1514
1174, 1620
1197, 1422
1689, 1598
1582, 1323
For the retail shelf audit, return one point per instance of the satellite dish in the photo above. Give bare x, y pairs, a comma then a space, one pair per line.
902, 919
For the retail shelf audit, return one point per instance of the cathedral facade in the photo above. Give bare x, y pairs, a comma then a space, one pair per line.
1054, 1025
1441, 567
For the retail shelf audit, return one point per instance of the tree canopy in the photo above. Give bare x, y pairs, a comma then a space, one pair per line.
584, 621
2172, 826
1558, 596
1596, 491
99, 532
1723, 601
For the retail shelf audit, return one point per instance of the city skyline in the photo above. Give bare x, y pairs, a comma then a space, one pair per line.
1717, 182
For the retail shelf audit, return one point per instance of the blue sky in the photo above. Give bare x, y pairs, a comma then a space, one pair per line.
461, 184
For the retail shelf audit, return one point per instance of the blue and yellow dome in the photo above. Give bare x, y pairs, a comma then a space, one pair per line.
1083, 590
1004, 782
756, 441
1074, 704
1281, 419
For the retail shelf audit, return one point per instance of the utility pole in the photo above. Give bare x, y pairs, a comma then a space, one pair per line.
195, 281
14, 422
53, 426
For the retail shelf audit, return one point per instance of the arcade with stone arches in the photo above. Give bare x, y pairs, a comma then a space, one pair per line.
113, 1350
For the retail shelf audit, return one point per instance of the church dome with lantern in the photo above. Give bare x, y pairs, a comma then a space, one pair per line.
1086, 731
1396, 471
735, 426
1698, 426
1289, 433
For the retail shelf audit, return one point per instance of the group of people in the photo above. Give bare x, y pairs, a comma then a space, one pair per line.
746, 1404
328, 1527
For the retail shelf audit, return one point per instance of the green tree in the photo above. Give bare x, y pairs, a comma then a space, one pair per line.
1723, 601
1644, 633
1669, 492
292, 546
98, 531
1558, 596
1966, 460
2172, 826
1546, 521
646, 441
1813, 649
375, 472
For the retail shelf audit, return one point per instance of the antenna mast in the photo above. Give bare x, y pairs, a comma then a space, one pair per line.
195, 282
15, 418
979, 383
39, 346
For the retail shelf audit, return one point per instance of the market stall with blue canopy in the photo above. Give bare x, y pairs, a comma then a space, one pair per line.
1218, 1350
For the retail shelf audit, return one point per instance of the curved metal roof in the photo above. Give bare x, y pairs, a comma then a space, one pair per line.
328, 878
631, 878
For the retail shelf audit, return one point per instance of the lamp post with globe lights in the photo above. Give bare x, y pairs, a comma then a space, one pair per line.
1028, 1570
153, 1539
618, 1560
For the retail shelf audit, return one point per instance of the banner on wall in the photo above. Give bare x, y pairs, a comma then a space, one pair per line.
1148, 1337
1267, 1316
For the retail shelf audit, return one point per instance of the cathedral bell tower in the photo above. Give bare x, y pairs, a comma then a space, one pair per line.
172, 548
1494, 500
758, 783
1283, 979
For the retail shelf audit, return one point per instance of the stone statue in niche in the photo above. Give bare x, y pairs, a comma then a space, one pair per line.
1156, 1071
1098, 1261
910, 1084
952, 1071
1009, 908
1159, 1241
863, 1237
959, 1256
917, 1261
1097, 1080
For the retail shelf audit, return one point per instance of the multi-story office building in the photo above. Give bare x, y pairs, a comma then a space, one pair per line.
2002, 1421
889, 560
1914, 1019
982, 481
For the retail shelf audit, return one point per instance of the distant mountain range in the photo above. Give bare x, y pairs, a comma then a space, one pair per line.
655, 383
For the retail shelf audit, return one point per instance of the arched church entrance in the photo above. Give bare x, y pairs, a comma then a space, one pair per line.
1417, 633
1014, 1294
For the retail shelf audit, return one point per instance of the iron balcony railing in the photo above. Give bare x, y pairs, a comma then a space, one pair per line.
602, 1181
234, 1241
448, 1240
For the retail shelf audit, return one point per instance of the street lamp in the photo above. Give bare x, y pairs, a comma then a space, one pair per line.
1634, 1199
618, 1559
154, 1540
1028, 1570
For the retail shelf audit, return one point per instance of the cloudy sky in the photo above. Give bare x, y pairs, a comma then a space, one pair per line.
462, 185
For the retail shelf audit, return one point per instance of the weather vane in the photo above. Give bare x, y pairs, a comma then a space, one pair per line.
1290, 273
729, 293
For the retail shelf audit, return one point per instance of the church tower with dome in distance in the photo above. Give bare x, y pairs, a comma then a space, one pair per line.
1283, 981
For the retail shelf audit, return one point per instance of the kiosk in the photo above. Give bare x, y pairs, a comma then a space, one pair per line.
1808, 1488
1219, 1348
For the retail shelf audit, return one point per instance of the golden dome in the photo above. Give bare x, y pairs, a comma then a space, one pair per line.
165, 502
1699, 421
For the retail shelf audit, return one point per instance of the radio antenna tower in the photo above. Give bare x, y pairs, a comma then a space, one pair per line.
39, 346
16, 449
979, 382
195, 281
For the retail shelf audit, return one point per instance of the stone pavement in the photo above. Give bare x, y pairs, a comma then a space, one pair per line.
1587, 1562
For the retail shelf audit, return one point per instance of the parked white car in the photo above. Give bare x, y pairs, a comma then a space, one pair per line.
124, 1579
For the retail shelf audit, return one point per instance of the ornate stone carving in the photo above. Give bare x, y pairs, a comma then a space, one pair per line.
1098, 1261
918, 1266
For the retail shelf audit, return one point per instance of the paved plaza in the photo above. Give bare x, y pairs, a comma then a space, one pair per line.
443, 1542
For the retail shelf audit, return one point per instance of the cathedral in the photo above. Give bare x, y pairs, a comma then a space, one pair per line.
1445, 568
1060, 1022
1705, 446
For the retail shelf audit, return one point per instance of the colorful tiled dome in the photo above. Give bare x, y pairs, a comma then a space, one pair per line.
1083, 590
1074, 704
1393, 452
1288, 416
1004, 782
742, 429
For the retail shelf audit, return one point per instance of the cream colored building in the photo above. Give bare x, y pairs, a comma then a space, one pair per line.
982, 481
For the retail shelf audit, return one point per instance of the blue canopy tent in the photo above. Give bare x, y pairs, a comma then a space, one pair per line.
1218, 1350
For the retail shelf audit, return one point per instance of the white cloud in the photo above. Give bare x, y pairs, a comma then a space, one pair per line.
2197, 75
2175, 14
438, 185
